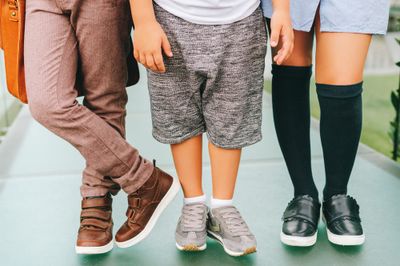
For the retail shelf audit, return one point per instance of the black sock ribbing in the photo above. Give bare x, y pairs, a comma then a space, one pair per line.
291, 108
340, 127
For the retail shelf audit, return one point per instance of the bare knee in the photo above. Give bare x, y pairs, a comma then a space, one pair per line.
340, 57
298, 60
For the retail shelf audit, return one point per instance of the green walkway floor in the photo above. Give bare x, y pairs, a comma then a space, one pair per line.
40, 201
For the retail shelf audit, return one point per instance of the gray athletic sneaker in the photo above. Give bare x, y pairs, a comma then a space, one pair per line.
191, 232
226, 225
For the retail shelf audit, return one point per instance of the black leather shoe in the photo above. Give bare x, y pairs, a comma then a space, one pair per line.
300, 222
342, 218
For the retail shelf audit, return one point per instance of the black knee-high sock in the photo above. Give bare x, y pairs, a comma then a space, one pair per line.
291, 108
340, 127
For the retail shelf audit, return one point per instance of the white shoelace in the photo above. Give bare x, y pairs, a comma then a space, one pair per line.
193, 217
234, 221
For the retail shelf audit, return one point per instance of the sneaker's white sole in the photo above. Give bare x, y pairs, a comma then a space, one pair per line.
299, 241
228, 251
345, 240
94, 250
191, 247
173, 190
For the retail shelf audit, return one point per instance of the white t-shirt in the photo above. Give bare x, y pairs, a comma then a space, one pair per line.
210, 12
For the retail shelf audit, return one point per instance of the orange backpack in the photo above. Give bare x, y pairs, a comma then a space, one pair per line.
12, 22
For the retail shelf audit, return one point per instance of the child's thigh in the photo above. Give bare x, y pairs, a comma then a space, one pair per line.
232, 98
340, 57
302, 49
232, 107
175, 105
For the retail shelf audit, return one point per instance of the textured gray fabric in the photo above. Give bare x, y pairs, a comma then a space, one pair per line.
213, 83
191, 228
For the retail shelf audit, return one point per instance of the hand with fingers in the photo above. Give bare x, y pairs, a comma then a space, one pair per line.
282, 34
150, 41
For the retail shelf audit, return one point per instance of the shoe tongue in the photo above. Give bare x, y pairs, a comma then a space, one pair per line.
195, 204
338, 196
95, 197
192, 235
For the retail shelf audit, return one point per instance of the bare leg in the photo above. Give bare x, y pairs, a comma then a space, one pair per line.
340, 63
188, 163
302, 50
291, 110
340, 57
224, 169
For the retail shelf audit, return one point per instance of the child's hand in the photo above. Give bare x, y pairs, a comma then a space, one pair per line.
282, 31
149, 43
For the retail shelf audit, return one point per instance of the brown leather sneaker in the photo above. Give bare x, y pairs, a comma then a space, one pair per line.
95, 232
145, 207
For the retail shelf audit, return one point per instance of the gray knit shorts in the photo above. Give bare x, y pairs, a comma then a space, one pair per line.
213, 83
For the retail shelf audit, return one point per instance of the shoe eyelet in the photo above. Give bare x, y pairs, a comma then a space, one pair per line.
139, 203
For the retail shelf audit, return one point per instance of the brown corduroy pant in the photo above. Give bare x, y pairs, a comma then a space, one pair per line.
85, 44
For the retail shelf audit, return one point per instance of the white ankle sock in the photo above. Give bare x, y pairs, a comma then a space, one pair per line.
216, 203
198, 199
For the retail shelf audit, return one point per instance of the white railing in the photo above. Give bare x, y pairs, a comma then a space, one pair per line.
6, 101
